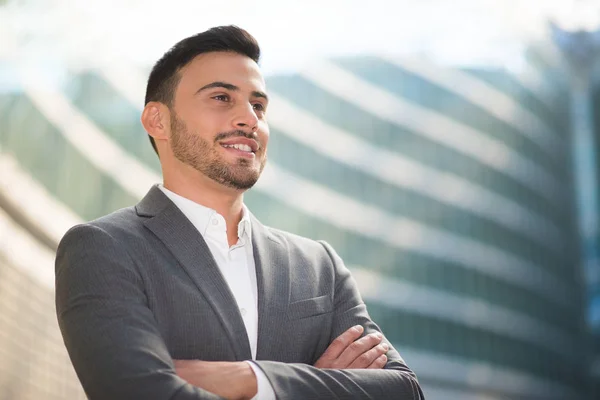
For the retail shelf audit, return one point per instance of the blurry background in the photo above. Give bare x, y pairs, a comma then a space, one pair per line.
446, 149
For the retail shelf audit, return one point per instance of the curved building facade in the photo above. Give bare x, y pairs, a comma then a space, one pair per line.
447, 192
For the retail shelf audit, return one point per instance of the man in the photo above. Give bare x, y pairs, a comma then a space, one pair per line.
187, 295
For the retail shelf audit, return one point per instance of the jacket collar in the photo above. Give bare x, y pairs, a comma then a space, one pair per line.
186, 244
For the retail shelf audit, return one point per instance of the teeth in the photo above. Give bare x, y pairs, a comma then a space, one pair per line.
242, 147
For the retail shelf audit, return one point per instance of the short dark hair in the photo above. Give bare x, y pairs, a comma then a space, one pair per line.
165, 77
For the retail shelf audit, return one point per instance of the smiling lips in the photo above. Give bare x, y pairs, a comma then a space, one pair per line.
244, 146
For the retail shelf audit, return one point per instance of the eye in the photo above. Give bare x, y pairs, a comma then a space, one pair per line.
259, 107
221, 97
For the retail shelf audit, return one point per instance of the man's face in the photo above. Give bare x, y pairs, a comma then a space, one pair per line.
218, 124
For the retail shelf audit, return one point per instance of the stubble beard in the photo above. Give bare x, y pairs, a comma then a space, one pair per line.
204, 157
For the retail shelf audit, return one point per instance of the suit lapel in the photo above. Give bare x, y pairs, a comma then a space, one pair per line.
272, 279
184, 241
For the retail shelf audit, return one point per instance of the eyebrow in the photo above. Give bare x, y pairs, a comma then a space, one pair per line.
229, 86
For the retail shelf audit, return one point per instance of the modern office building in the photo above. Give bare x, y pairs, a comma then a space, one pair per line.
449, 193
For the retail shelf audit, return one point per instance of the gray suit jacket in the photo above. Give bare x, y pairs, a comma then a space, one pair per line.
139, 287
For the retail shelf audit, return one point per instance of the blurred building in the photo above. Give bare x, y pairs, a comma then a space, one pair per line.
449, 193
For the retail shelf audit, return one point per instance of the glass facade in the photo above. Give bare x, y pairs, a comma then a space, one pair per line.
454, 209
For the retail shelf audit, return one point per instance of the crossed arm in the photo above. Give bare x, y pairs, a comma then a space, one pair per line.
235, 380
118, 352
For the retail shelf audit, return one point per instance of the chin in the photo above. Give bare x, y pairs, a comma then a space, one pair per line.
241, 181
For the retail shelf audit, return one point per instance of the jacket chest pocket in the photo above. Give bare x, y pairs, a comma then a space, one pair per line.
310, 307
309, 324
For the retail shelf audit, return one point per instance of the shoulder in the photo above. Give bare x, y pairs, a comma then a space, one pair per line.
101, 246
115, 226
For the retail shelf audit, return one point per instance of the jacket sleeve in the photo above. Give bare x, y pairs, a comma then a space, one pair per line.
110, 333
301, 381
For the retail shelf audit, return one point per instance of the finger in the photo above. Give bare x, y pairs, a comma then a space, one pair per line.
367, 358
342, 342
356, 349
379, 362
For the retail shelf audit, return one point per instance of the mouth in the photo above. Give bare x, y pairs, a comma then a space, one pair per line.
239, 149
241, 146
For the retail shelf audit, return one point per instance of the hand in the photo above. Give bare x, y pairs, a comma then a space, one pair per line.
231, 380
346, 352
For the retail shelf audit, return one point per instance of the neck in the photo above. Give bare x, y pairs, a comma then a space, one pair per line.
204, 191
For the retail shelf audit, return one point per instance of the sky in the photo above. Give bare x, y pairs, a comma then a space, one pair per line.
291, 33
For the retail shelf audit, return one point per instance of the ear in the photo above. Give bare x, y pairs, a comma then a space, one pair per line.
155, 119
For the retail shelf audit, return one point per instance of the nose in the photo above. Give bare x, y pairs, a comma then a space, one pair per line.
246, 119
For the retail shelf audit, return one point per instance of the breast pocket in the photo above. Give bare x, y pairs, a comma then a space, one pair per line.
310, 307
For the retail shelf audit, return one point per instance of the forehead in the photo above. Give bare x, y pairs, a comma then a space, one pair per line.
229, 67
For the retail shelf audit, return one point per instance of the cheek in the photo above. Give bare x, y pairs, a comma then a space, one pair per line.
208, 122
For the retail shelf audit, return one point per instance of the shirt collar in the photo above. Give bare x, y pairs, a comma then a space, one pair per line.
245, 227
200, 216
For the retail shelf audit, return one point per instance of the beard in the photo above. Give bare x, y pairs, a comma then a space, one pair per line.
204, 157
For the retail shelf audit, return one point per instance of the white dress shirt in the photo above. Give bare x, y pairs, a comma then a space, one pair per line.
236, 264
